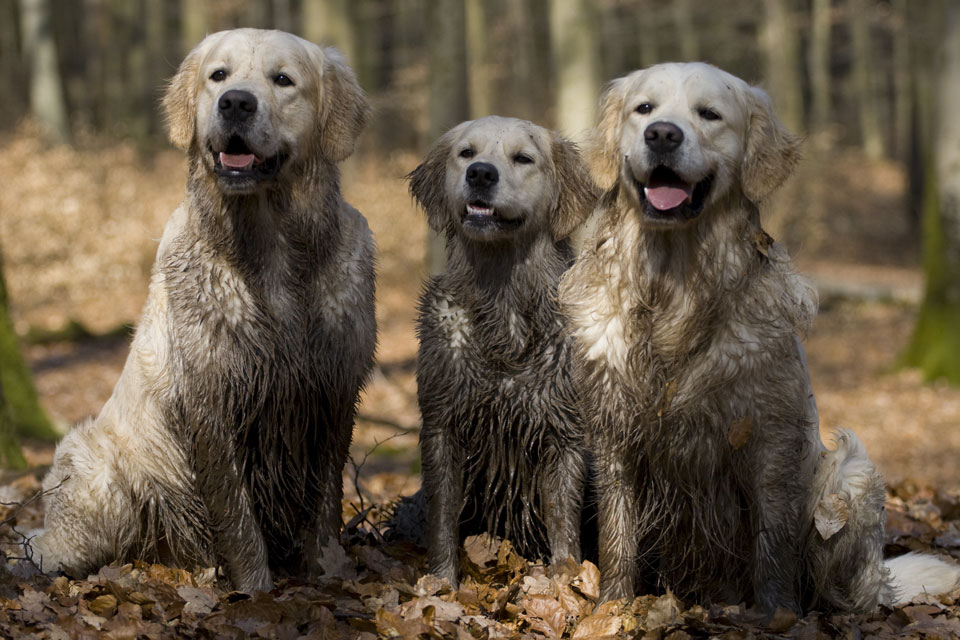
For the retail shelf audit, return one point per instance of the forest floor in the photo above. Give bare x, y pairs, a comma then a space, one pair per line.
79, 229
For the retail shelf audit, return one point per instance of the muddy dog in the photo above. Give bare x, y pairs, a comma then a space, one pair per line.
502, 440
712, 478
224, 440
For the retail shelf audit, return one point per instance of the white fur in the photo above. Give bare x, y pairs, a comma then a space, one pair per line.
917, 574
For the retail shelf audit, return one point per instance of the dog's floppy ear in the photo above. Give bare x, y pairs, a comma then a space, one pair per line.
771, 153
603, 147
180, 98
344, 109
428, 182
577, 194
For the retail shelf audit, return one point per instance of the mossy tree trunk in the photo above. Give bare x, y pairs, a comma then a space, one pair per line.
935, 347
20, 412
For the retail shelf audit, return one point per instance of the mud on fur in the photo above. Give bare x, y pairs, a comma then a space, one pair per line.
224, 440
502, 440
687, 319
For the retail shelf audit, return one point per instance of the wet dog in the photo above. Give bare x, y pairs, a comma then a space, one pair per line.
712, 478
502, 441
224, 440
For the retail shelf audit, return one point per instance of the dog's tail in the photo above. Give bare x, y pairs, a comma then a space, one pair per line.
407, 520
914, 574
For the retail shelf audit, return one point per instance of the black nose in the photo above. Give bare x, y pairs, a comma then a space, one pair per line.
663, 137
482, 175
237, 105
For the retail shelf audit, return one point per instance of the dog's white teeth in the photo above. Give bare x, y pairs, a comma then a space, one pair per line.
479, 211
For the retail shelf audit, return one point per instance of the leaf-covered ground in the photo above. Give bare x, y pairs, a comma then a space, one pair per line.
374, 589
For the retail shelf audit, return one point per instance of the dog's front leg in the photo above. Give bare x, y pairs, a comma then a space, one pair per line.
778, 500
237, 538
443, 484
616, 484
329, 519
562, 502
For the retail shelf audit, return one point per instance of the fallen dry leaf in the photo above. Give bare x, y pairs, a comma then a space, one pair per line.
831, 515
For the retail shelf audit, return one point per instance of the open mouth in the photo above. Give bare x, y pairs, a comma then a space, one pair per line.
480, 215
667, 196
237, 161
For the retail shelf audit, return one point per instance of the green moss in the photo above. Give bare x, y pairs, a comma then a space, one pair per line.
11, 457
22, 405
935, 346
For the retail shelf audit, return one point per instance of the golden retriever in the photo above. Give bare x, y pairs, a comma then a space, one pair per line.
225, 437
712, 478
502, 439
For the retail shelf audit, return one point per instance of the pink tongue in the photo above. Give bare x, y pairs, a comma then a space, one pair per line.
664, 198
241, 161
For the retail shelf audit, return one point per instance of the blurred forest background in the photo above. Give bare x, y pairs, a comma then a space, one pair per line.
89, 180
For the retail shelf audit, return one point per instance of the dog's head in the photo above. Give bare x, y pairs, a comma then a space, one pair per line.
495, 178
252, 101
681, 137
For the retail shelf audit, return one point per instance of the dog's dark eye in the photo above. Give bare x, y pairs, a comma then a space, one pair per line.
644, 108
467, 153
219, 75
522, 158
283, 81
708, 114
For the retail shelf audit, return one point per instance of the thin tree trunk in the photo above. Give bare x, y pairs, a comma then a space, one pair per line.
282, 15
935, 346
478, 59
193, 25
820, 24
863, 79
782, 51
448, 101
331, 22
646, 20
686, 34
576, 61
901, 81
47, 102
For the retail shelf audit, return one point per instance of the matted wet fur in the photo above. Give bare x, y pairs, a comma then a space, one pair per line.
502, 440
224, 440
711, 473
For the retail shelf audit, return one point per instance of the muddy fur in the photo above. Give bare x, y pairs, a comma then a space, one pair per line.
701, 418
502, 440
224, 440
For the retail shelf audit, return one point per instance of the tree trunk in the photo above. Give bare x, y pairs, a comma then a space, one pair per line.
576, 62
478, 59
935, 347
864, 82
902, 92
20, 397
779, 38
820, 24
193, 24
528, 94
47, 103
448, 100
331, 22
686, 34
